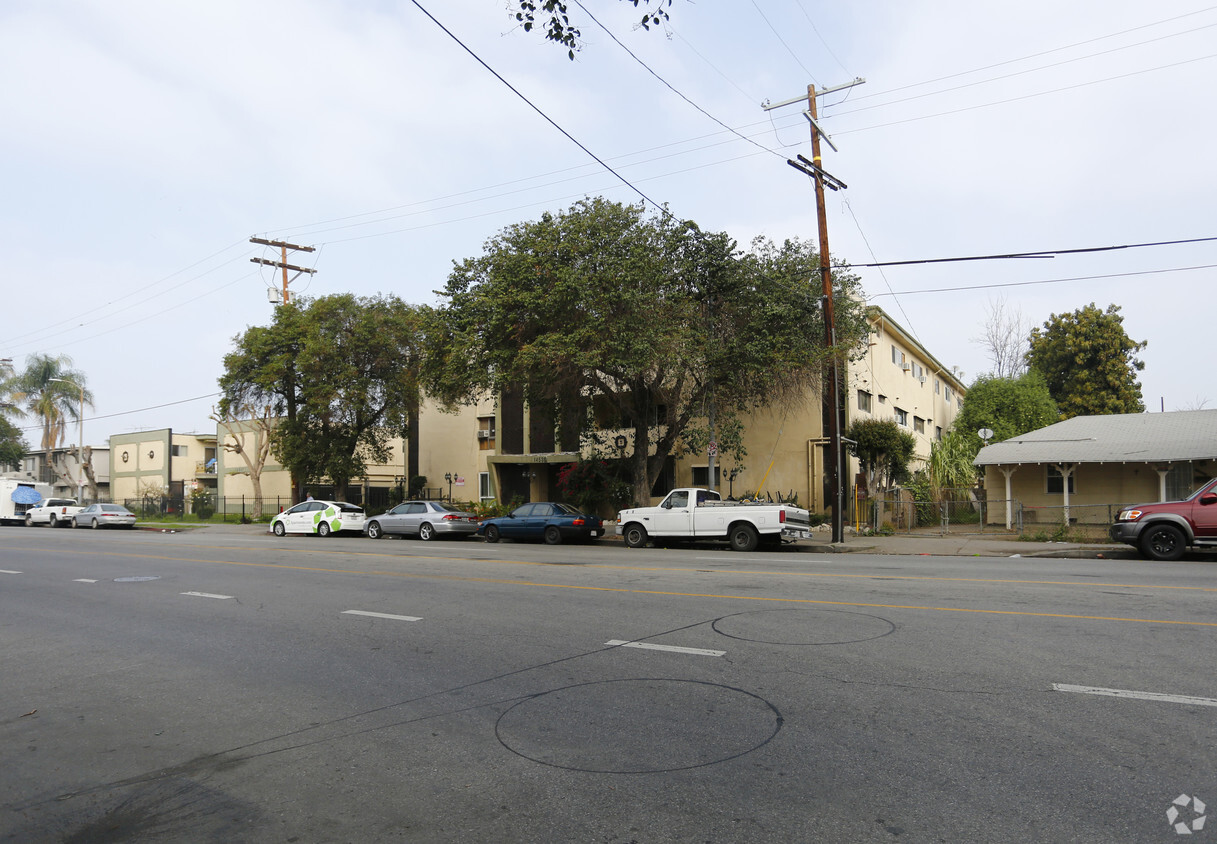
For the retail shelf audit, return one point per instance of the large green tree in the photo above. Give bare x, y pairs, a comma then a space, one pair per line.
652, 321
341, 372
1006, 406
12, 443
1089, 362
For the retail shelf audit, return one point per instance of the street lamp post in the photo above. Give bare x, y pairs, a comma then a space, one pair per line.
80, 444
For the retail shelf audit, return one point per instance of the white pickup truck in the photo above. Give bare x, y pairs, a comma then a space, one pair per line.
56, 512
689, 514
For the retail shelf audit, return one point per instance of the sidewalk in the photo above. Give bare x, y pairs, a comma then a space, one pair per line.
968, 545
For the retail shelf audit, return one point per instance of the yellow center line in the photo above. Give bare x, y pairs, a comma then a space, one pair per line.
753, 573
621, 590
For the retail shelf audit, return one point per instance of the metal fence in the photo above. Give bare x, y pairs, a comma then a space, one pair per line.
241, 508
901, 513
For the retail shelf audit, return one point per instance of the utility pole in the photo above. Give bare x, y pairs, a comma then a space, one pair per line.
835, 457
283, 246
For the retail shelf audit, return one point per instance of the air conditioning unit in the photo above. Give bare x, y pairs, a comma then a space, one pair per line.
485, 435
906, 366
922, 379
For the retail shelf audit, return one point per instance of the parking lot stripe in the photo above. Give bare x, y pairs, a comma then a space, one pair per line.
382, 615
1152, 696
6, 571
208, 595
83, 580
647, 646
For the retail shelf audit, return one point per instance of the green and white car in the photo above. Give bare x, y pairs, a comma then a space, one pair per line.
319, 517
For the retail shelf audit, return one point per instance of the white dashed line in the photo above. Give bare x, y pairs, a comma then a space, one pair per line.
382, 615
6, 571
1157, 697
208, 595
646, 646
83, 580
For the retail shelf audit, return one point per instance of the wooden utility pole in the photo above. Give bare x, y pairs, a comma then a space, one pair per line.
835, 458
283, 246
831, 391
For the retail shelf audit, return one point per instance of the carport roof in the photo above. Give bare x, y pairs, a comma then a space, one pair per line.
1121, 438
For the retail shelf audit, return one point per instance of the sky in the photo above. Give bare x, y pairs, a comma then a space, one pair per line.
144, 143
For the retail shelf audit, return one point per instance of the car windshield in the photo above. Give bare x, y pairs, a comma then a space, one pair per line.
113, 508
444, 508
568, 509
348, 508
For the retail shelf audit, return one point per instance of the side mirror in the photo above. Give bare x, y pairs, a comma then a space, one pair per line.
1209, 498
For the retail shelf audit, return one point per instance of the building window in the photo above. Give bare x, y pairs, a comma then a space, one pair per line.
484, 486
937, 387
882, 399
949, 394
177, 450
897, 357
701, 473
1055, 485
919, 424
938, 432
864, 400
902, 417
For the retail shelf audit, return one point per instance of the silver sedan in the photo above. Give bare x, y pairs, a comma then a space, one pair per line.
425, 519
104, 515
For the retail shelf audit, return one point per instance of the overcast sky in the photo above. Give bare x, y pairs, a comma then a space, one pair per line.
143, 143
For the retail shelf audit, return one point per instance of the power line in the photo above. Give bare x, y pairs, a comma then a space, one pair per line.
669, 86
535, 108
1043, 253
1043, 281
138, 410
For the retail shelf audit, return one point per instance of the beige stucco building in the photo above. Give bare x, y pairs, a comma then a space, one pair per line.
501, 450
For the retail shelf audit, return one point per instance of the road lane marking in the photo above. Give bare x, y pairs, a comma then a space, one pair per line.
647, 646
679, 569
1152, 696
6, 571
382, 615
783, 600
83, 580
208, 595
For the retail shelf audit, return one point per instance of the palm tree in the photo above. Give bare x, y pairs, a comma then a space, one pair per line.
54, 394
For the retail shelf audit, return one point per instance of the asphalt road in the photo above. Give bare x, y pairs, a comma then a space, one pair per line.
230, 686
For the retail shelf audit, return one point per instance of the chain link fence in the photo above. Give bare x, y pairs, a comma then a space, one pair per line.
900, 512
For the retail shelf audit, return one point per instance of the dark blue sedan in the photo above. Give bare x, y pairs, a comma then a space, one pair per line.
545, 520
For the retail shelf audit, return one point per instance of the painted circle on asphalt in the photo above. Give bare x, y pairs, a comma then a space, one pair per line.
638, 726
803, 627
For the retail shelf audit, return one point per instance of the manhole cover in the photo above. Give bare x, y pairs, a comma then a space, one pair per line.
803, 627
137, 579
637, 726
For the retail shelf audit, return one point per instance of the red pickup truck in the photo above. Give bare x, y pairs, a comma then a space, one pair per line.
1164, 530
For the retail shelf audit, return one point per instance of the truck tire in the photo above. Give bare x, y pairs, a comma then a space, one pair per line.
54, 521
29, 521
1164, 543
743, 538
635, 536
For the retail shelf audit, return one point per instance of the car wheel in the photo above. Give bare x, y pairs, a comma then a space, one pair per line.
374, 530
74, 522
743, 538
95, 525
29, 521
323, 528
426, 532
1163, 542
635, 536
492, 533
54, 520
553, 536
279, 529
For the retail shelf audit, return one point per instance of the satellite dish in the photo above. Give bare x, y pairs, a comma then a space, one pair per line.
985, 435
